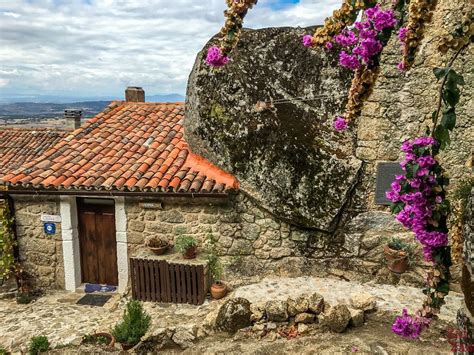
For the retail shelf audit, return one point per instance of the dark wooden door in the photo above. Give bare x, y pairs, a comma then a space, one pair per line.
97, 241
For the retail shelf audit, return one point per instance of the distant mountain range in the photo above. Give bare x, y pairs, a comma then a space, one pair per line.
54, 106
15, 98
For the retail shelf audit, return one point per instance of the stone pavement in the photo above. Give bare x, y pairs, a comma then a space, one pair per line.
57, 316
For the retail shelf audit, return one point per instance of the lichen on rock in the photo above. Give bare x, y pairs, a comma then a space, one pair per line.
266, 117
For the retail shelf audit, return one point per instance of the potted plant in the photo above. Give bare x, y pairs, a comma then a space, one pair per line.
104, 339
186, 245
218, 288
157, 245
397, 253
134, 325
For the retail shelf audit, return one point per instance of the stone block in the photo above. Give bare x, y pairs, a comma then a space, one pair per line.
276, 311
305, 318
136, 226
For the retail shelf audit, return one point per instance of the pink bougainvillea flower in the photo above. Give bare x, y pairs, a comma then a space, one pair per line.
349, 61
307, 40
340, 124
401, 66
409, 326
215, 58
346, 39
402, 33
329, 45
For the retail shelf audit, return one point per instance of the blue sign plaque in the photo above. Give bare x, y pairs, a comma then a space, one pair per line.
50, 228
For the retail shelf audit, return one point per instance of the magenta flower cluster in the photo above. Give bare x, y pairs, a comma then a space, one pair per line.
409, 326
419, 196
402, 36
215, 57
340, 123
307, 40
362, 44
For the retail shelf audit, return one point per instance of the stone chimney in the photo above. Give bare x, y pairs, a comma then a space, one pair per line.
73, 118
134, 94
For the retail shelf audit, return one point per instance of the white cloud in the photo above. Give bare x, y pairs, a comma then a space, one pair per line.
97, 47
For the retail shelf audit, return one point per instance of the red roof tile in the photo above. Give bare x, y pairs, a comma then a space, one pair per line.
20, 146
130, 146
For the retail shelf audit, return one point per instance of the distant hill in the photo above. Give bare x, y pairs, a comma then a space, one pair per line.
16, 98
33, 109
50, 110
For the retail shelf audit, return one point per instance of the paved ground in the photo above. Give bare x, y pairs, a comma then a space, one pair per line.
58, 317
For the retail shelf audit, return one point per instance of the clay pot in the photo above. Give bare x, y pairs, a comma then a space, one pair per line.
126, 346
109, 336
397, 260
190, 253
159, 250
218, 290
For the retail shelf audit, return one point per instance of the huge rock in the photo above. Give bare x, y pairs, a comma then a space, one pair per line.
233, 315
288, 157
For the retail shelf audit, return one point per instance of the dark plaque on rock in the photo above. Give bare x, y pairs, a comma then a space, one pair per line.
386, 173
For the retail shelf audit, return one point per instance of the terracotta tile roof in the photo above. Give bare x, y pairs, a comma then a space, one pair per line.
129, 146
21, 145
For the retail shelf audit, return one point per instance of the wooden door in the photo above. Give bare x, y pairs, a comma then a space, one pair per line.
97, 241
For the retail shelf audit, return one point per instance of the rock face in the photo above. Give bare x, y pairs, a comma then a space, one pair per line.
286, 156
234, 315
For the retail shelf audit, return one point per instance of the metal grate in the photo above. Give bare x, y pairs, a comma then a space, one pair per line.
160, 281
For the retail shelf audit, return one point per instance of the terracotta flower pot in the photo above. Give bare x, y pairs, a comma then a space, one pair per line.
109, 336
159, 250
218, 290
190, 253
397, 260
126, 346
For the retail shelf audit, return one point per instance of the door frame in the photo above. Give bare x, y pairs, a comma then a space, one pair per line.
71, 245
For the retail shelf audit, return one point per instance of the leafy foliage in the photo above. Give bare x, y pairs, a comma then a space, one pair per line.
213, 262
185, 242
450, 94
8, 264
38, 345
398, 244
134, 325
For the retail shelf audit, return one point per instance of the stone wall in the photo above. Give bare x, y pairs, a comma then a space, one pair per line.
401, 104
252, 242
40, 254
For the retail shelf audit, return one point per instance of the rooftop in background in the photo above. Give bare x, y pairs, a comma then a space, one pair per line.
21, 145
130, 146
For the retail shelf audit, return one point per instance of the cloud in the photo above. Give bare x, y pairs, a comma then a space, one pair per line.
97, 47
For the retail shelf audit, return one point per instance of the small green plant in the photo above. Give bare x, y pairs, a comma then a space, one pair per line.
185, 242
213, 262
38, 344
398, 244
24, 298
3, 351
134, 325
96, 340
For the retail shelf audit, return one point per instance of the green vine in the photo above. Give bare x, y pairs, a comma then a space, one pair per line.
8, 265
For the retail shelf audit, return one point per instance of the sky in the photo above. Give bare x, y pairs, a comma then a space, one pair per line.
98, 47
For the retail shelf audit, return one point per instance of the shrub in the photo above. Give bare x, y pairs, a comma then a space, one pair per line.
184, 242
134, 325
213, 262
24, 298
3, 351
398, 244
38, 344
